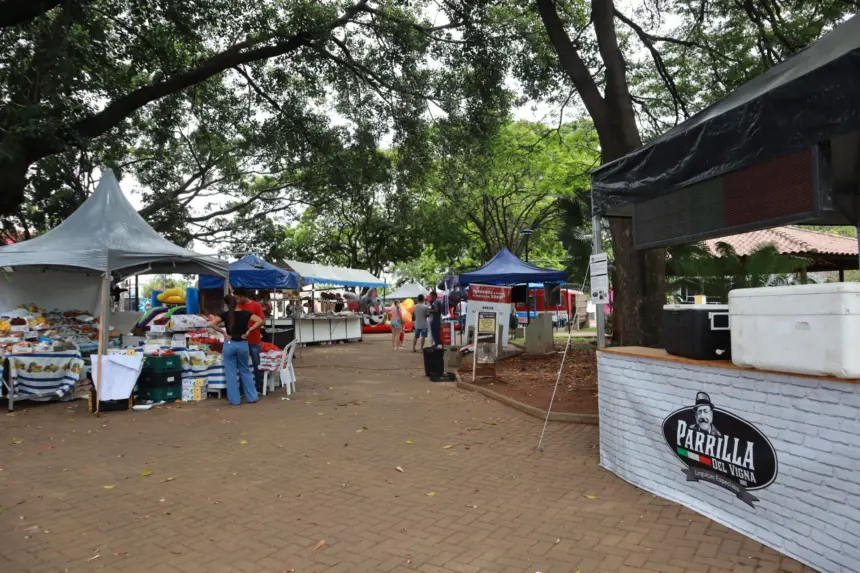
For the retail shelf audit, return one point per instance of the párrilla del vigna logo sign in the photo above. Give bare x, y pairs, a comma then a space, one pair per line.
720, 448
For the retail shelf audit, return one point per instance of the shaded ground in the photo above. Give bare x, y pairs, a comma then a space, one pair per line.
255, 489
532, 379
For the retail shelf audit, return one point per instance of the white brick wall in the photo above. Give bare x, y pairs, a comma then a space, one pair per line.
811, 512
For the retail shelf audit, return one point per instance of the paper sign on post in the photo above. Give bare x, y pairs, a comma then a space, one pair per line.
600, 278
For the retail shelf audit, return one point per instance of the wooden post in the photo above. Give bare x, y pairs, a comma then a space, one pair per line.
104, 333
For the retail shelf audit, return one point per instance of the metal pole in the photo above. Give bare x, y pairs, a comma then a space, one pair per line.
596, 249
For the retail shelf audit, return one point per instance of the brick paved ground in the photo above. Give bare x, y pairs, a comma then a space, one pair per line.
306, 474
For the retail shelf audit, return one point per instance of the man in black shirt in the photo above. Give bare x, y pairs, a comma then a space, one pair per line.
436, 318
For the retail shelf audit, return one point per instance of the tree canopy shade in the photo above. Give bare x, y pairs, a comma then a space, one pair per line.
106, 234
506, 269
73, 72
811, 97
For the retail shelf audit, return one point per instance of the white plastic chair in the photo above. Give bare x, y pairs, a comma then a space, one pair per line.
286, 372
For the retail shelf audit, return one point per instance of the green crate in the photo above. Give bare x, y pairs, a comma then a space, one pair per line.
163, 363
163, 394
152, 379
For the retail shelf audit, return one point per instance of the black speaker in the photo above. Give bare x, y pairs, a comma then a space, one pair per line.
551, 295
520, 294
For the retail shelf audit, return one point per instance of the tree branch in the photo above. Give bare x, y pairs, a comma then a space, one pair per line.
571, 62
14, 12
234, 56
668, 81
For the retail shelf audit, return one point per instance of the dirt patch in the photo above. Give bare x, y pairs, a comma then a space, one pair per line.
531, 379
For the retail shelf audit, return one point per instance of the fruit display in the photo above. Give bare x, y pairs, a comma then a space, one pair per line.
29, 328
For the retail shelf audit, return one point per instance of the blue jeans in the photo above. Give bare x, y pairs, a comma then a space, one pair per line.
436, 331
256, 349
235, 366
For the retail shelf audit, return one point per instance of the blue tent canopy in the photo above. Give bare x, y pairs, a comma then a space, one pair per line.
252, 272
506, 269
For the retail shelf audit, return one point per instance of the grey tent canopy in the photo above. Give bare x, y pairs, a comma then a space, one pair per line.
106, 234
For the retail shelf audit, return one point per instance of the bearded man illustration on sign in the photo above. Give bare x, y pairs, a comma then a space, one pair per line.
705, 415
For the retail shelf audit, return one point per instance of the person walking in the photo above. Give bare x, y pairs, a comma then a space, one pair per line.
461, 316
422, 311
238, 324
255, 337
396, 325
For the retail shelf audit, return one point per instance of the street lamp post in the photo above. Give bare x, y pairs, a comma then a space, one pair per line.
527, 233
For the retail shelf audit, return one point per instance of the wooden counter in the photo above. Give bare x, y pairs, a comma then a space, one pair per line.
660, 354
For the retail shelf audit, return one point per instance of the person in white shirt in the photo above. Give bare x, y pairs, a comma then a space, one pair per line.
461, 314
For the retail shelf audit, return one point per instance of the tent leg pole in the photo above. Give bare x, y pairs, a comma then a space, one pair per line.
104, 336
597, 248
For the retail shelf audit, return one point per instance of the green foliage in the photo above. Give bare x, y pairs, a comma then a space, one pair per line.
695, 268
224, 109
517, 182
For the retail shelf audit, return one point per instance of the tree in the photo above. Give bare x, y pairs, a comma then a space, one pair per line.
587, 49
515, 182
74, 72
373, 217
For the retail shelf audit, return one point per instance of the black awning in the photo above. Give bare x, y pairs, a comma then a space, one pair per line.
809, 98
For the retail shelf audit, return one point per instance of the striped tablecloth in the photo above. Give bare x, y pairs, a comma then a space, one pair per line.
197, 364
43, 373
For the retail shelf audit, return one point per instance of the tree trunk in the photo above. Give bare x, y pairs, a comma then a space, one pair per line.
13, 181
640, 291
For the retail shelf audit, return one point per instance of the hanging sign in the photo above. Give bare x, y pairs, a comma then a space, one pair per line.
720, 448
599, 278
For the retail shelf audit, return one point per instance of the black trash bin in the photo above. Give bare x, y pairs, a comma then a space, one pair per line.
434, 362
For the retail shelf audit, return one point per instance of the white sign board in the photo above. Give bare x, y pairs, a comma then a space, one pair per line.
600, 278
489, 298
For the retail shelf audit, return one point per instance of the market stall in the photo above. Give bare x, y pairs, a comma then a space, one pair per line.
255, 274
505, 268
751, 413
327, 327
71, 268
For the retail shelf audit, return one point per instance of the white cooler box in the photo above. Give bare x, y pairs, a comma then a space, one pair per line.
802, 329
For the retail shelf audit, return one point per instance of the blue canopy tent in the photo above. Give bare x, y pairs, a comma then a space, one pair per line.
252, 272
507, 269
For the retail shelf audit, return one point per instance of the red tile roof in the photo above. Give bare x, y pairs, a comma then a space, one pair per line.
788, 240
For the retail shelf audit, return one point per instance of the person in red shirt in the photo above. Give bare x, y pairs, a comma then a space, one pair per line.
255, 338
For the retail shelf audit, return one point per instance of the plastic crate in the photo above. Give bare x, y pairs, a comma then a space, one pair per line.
107, 405
163, 363
151, 379
162, 394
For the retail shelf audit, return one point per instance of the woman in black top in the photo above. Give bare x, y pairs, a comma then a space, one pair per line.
237, 323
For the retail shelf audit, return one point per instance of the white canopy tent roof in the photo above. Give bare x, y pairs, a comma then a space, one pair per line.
106, 234
408, 290
336, 276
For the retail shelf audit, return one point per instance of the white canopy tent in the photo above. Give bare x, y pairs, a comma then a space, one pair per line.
408, 290
335, 276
